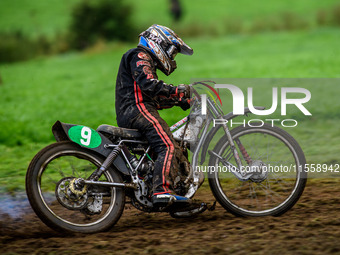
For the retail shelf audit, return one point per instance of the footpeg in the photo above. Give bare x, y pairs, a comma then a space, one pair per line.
190, 211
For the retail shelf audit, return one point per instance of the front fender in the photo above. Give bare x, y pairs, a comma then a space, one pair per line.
214, 130
87, 138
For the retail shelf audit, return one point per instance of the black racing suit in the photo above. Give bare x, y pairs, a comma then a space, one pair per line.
136, 87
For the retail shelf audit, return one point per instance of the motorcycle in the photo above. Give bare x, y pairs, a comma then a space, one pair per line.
82, 182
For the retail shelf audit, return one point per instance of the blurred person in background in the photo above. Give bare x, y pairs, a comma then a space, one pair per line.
175, 10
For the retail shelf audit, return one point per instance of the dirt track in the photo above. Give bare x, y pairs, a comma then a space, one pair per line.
311, 227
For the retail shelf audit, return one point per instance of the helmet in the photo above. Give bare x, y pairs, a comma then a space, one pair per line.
164, 44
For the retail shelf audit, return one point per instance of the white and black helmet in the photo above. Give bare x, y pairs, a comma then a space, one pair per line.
164, 44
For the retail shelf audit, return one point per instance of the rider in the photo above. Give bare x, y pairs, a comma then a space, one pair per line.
139, 94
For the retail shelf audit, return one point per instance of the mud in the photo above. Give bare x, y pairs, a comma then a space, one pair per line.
312, 226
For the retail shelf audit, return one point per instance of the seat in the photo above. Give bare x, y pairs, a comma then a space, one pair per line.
121, 132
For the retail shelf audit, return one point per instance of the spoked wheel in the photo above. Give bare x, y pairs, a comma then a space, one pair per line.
276, 163
63, 204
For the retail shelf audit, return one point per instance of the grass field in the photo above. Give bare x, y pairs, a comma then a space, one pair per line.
79, 87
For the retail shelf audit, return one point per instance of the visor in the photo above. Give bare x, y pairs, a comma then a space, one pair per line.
185, 49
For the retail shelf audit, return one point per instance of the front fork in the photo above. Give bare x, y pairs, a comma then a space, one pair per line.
233, 147
215, 111
239, 173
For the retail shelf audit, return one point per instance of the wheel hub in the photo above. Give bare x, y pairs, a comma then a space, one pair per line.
259, 171
70, 195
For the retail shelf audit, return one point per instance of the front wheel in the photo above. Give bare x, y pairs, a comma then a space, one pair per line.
50, 187
276, 164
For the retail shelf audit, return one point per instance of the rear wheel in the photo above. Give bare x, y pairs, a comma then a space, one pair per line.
50, 187
266, 193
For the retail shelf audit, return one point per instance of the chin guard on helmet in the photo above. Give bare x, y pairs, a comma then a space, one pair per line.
164, 45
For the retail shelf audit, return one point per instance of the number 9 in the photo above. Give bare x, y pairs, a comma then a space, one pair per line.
86, 135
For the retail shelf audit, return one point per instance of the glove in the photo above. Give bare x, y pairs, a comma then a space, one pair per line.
183, 96
179, 95
184, 103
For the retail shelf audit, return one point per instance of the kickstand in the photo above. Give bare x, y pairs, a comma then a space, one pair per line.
211, 208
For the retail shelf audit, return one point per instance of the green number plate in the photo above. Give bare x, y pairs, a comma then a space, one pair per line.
85, 136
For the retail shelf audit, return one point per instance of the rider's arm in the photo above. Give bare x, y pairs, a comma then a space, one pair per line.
144, 74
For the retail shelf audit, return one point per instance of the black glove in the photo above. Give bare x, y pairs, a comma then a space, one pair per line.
183, 95
184, 103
